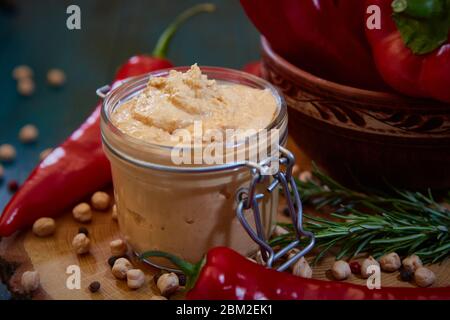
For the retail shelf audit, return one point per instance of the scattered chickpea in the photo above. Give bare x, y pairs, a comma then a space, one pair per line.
82, 212
100, 200
7, 152
305, 176
25, 87
412, 263
45, 153
121, 267
424, 277
2, 172
114, 214
259, 258
118, 247
44, 227
56, 77
135, 278
30, 281
279, 231
390, 262
302, 269
22, 72
341, 270
168, 283
295, 170
28, 133
370, 261
81, 243
156, 297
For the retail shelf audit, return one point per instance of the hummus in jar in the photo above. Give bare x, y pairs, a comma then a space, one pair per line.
178, 100
187, 214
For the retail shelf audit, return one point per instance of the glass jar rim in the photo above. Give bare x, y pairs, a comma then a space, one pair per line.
129, 88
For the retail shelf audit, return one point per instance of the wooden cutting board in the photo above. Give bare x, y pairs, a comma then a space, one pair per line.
52, 256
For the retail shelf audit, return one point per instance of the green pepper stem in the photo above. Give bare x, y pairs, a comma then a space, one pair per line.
190, 270
399, 5
420, 9
162, 45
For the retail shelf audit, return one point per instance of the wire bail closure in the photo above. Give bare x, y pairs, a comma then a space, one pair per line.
248, 199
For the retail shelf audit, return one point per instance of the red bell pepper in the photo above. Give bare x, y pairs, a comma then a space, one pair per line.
412, 47
324, 37
226, 275
79, 167
253, 68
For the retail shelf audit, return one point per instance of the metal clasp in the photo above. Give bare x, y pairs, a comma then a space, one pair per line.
103, 91
248, 199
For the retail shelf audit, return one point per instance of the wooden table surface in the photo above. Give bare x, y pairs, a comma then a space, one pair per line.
35, 34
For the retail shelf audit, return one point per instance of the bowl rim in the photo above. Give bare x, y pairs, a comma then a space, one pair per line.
342, 89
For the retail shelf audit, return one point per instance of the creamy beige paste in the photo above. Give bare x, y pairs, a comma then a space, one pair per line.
187, 214
176, 101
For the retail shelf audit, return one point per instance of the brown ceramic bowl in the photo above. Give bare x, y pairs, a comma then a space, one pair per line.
364, 136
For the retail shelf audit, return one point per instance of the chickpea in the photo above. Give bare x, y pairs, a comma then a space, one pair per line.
259, 258
44, 227
30, 281
25, 87
295, 170
7, 152
168, 283
302, 269
279, 231
81, 243
45, 153
114, 214
390, 262
100, 200
341, 270
118, 247
82, 212
424, 277
121, 267
56, 77
22, 72
412, 263
156, 297
370, 261
135, 278
305, 176
28, 134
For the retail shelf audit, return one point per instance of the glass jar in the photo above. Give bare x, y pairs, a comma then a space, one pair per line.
181, 209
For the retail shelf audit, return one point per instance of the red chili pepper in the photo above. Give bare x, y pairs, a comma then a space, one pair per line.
324, 37
226, 275
79, 167
253, 68
412, 47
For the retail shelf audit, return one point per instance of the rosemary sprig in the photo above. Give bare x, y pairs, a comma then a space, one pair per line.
373, 222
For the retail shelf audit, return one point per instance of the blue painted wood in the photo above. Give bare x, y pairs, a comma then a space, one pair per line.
112, 30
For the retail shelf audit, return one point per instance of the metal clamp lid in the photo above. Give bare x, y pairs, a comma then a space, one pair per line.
248, 200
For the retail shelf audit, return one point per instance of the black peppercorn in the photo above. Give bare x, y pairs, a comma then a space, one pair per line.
84, 231
94, 286
13, 186
112, 260
181, 279
406, 275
